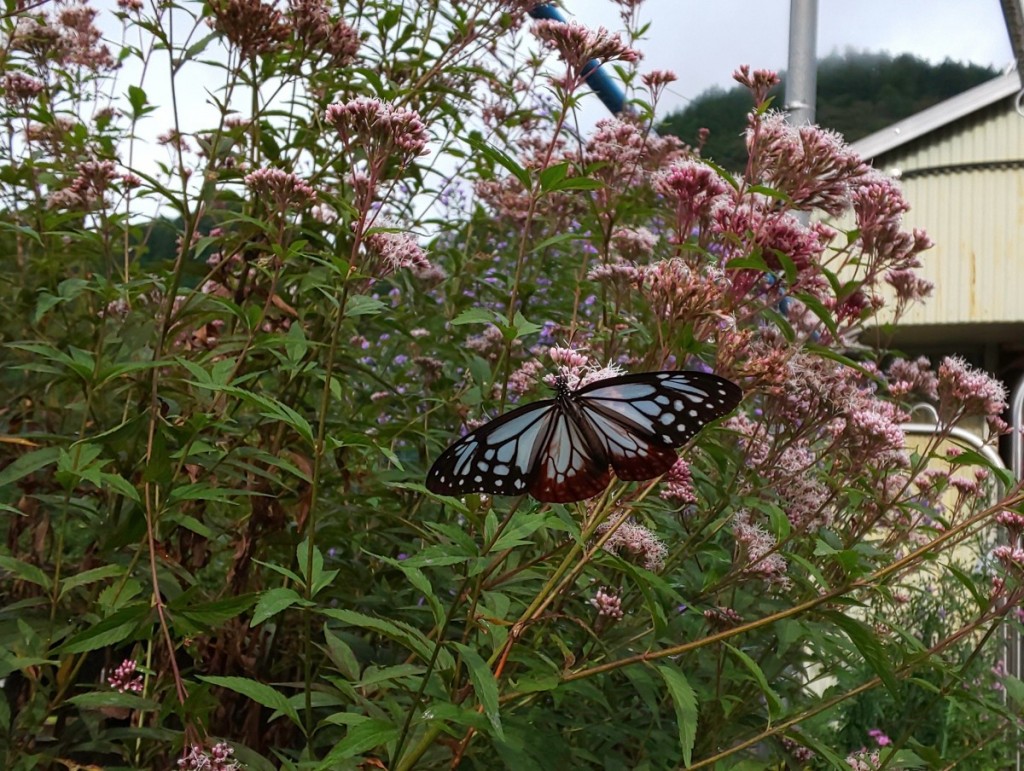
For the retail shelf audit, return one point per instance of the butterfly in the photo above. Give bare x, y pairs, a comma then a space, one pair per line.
565, 449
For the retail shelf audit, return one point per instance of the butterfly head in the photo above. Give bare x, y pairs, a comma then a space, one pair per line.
561, 386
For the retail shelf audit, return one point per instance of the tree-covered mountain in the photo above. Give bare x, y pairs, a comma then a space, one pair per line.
858, 94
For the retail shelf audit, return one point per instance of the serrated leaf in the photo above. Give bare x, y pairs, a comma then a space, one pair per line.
363, 305
341, 655
478, 316
261, 693
685, 702
360, 738
272, 602
25, 571
111, 630
90, 576
403, 634
28, 463
484, 684
869, 647
99, 699
772, 698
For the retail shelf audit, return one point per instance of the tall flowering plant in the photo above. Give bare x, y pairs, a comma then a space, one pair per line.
230, 371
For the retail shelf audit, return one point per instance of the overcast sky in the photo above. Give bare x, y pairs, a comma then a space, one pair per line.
703, 41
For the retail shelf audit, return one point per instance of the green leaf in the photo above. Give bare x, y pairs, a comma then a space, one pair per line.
478, 316
403, 634
540, 682
138, 100
559, 238
28, 463
774, 703
363, 305
281, 570
523, 525
522, 327
817, 307
261, 693
302, 557
361, 737
341, 655
552, 175
25, 571
501, 159
267, 407
685, 702
576, 183
484, 684
870, 648
99, 699
90, 576
111, 630
273, 601
209, 615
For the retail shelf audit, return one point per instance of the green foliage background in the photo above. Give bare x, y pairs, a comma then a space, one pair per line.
212, 455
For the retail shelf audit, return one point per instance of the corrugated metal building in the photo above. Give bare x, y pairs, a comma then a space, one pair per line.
961, 166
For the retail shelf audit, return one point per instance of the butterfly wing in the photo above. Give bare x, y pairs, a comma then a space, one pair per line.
642, 419
499, 458
562, 453
536, 449
569, 468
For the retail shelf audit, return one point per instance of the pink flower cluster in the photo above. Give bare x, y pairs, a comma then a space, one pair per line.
124, 678
759, 82
253, 27
607, 603
20, 88
217, 759
87, 190
400, 250
814, 167
879, 206
864, 760
694, 189
968, 392
1011, 557
636, 541
757, 552
577, 45
379, 128
679, 484
335, 41
913, 377
283, 189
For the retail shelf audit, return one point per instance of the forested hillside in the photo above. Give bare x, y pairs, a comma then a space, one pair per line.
858, 93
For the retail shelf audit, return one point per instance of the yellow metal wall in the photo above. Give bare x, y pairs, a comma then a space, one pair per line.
974, 215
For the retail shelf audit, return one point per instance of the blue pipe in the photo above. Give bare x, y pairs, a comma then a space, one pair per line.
599, 80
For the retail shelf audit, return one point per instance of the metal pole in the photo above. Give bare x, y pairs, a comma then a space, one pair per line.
802, 72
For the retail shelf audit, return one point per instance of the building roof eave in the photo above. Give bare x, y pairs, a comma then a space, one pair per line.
938, 115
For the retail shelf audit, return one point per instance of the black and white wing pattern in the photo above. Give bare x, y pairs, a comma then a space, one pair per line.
564, 449
497, 458
643, 419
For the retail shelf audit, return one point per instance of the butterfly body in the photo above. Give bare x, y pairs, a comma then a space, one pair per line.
566, 448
